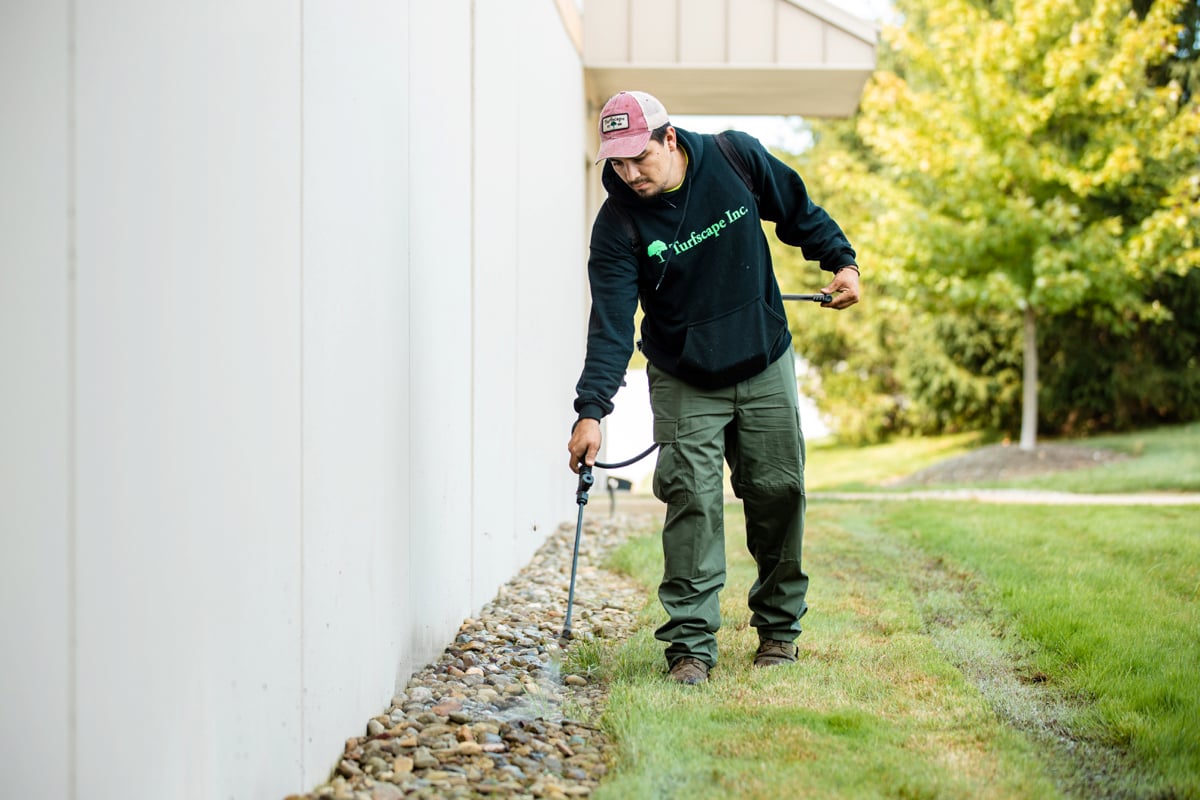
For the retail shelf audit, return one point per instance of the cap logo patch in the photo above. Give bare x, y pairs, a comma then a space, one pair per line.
615, 122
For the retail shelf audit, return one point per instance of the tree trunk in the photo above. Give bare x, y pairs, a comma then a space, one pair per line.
1029, 384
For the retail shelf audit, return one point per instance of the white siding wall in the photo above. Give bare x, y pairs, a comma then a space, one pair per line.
291, 310
36, 658
358, 177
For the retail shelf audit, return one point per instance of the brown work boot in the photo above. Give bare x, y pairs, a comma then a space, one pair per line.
689, 670
772, 653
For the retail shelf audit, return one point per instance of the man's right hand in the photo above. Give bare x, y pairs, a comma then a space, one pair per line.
585, 444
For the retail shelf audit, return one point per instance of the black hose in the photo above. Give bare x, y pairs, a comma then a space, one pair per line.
629, 461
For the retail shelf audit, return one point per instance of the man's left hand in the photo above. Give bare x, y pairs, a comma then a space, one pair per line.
844, 288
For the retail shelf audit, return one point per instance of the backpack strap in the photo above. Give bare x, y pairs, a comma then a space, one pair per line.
631, 232
735, 160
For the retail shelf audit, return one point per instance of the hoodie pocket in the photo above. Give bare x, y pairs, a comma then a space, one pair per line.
731, 346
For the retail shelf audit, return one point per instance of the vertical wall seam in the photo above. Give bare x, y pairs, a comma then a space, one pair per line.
678, 38
520, 527
728, 31
301, 593
629, 30
473, 517
775, 46
72, 465
408, 316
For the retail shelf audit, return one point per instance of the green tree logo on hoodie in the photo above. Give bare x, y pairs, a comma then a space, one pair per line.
657, 248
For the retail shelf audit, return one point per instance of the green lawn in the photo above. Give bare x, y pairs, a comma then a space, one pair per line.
952, 650
1104, 603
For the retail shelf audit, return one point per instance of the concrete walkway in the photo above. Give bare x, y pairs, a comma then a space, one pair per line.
1021, 497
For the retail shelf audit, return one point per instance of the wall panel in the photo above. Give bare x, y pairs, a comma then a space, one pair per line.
188, 399
35, 367
551, 269
499, 123
440, 322
357, 568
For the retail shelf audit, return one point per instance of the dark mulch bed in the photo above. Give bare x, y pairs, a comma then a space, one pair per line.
1004, 461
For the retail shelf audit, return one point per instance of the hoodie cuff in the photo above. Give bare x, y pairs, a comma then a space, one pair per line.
836, 262
587, 412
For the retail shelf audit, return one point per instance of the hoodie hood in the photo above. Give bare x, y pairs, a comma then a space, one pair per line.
620, 192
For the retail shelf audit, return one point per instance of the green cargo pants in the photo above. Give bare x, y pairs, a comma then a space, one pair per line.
755, 427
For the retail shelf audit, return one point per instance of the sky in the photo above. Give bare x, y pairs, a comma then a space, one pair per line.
784, 133
867, 9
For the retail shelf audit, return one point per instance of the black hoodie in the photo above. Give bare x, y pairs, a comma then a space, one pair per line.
702, 270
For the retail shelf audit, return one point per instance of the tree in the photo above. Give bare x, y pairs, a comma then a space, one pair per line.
1044, 157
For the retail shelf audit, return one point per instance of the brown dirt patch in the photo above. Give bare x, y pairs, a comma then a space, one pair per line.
1004, 461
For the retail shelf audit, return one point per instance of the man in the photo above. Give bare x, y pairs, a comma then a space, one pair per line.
680, 231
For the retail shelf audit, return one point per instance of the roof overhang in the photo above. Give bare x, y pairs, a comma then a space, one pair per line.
778, 57
684, 89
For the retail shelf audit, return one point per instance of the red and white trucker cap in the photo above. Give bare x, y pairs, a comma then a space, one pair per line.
626, 122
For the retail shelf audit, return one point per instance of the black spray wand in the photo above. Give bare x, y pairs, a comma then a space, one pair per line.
581, 497
816, 298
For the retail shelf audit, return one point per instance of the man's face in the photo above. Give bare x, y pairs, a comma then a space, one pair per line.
653, 171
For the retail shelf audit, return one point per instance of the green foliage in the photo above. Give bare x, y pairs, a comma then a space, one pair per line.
1124, 378
857, 385
1184, 65
1051, 171
966, 376
1026, 154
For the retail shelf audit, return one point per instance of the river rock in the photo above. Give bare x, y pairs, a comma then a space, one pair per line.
486, 719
